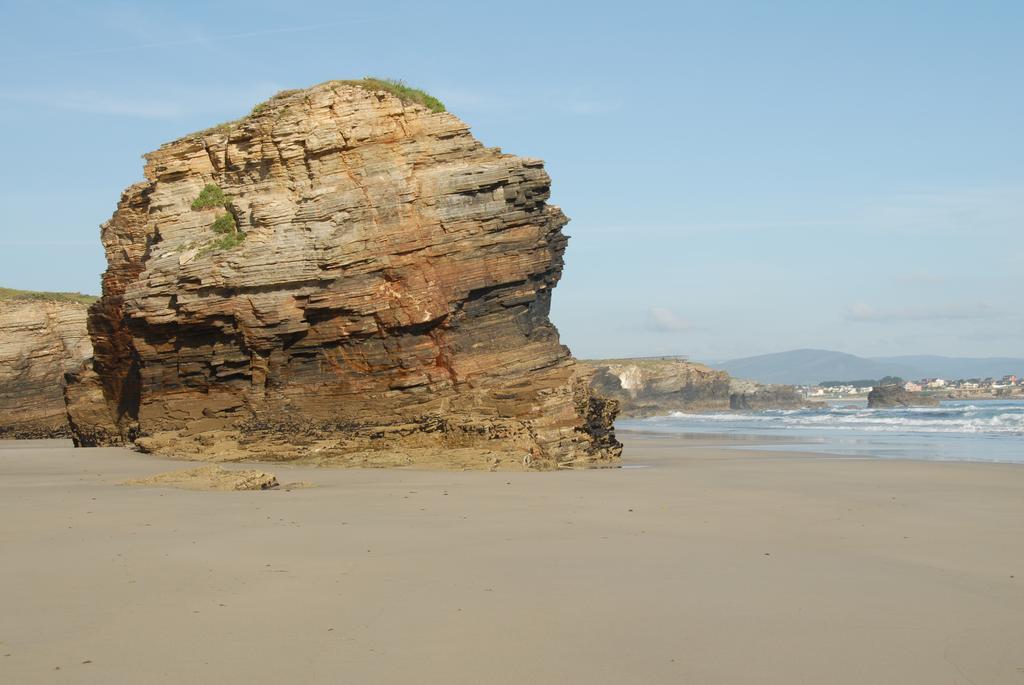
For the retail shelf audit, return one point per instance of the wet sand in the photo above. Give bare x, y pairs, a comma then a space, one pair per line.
711, 565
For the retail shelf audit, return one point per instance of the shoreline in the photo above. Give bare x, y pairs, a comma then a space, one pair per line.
770, 444
977, 432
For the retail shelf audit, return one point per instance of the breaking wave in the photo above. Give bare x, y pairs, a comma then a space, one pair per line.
987, 430
970, 418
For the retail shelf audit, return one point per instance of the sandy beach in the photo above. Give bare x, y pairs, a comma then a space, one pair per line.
698, 563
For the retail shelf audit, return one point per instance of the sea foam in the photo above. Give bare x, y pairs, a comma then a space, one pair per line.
986, 431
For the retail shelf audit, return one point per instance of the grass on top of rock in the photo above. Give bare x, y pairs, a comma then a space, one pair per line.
37, 296
400, 90
261, 106
209, 197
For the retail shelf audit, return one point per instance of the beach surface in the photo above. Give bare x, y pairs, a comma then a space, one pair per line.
698, 563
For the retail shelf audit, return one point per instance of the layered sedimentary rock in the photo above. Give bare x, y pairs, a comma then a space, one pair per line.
388, 304
650, 386
895, 396
42, 335
747, 395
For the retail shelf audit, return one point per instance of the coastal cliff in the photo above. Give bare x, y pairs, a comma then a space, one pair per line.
344, 276
42, 335
660, 385
647, 387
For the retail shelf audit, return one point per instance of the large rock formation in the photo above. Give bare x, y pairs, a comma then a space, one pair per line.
883, 396
660, 385
746, 395
388, 304
650, 386
42, 335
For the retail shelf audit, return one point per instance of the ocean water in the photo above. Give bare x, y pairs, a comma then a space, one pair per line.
987, 430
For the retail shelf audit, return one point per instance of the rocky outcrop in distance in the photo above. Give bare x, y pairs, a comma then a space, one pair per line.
651, 386
42, 335
341, 277
883, 396
746, 395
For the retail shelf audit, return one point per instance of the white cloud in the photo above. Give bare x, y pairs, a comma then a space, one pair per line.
663, 320
967, 210
673, 230
456, 99
921, 278
170, 104
995, 212
152, 32
864, 312
583, 106
99, 103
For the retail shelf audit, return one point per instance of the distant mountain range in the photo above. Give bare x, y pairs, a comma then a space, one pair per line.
809, 367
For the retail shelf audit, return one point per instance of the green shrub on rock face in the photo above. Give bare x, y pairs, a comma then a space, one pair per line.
225, 223
211, 196
229, 241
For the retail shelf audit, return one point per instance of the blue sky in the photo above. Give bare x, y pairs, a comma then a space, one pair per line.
743, 177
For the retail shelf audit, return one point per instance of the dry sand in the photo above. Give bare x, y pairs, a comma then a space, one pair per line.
713, 565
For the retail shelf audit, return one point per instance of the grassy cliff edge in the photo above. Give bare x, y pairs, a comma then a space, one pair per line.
9, 294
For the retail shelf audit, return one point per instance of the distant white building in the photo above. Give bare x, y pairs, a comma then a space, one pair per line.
936, 383
911, 386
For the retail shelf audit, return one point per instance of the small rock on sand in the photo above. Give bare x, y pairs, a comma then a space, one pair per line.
210, 478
